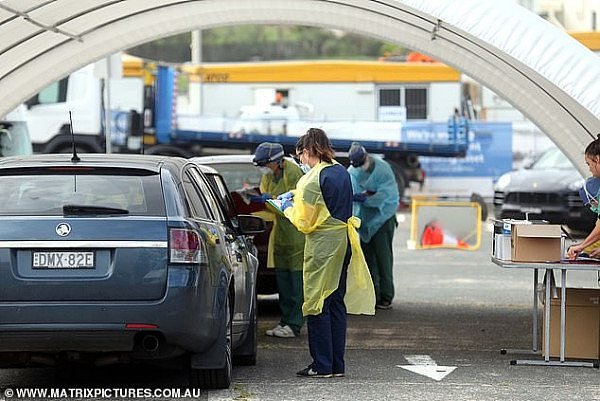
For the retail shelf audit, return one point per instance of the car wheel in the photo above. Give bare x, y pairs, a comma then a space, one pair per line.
248, 349
216, 378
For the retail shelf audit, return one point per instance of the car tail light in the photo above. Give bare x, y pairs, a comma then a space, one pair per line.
185, 246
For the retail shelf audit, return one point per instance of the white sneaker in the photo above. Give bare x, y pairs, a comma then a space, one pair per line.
270, 331
284, 332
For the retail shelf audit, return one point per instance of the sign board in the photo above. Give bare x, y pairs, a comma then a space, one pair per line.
391, 113
489, 154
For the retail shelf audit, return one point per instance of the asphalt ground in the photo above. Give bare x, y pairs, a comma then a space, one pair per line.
453, 308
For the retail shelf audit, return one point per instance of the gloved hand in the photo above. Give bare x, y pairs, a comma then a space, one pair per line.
359, 197
260, 198
286, 203
286, 196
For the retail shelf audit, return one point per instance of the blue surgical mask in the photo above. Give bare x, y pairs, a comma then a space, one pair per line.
305, 168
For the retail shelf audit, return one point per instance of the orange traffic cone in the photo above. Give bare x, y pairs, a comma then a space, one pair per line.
434, 234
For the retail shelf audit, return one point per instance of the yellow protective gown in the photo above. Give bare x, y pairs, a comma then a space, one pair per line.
326, 243
286, 244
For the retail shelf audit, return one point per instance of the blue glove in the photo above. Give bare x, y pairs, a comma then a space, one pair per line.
260, 198
286, 196
360, 197
286, 203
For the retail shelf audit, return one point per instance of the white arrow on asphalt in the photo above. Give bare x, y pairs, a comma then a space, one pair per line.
424, 365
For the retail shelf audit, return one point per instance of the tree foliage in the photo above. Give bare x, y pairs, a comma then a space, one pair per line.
267, 42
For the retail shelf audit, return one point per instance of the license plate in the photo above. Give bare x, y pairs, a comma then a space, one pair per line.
533, 210
63, 260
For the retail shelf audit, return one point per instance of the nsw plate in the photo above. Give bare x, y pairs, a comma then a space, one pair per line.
62, 260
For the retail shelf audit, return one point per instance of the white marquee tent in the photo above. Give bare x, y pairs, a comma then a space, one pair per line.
546, 74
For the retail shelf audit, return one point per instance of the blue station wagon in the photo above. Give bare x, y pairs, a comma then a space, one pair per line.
118, 258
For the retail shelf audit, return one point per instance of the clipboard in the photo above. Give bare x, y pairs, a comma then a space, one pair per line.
276, 205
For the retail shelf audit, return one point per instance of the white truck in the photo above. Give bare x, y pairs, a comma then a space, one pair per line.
144, 112
85, 94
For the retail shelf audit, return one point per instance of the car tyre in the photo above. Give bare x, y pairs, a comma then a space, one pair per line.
219, 378
250, 345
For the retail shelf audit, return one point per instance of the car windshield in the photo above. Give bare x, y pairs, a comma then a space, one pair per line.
552, 159
238, 175
48, 194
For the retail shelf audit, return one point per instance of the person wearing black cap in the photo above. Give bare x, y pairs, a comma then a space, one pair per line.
286, 243
375, 199
589, 194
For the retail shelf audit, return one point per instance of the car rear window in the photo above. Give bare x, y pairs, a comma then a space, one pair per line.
238, 175
45, 192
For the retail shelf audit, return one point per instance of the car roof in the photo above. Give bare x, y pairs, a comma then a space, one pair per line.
152, 163
223, 159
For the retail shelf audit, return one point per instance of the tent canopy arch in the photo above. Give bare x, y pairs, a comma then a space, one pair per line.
543, 72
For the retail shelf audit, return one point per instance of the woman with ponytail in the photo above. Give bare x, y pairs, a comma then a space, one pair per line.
336, 276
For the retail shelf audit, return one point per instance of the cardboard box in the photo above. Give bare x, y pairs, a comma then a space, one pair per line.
582, 324
536, 242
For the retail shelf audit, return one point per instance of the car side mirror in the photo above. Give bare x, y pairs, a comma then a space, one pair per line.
250, 225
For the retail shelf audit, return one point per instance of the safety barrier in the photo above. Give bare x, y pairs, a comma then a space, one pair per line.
445, 225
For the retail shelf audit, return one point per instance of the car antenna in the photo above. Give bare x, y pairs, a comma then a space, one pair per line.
75, 158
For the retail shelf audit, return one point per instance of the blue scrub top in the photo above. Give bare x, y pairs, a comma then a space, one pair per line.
336, 188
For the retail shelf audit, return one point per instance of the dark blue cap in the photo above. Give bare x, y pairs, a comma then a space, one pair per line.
357, 154
590, 189
268, 152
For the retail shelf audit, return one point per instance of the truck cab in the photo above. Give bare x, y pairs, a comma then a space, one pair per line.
84, 94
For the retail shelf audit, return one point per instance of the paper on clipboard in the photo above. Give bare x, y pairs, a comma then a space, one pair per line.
275, 204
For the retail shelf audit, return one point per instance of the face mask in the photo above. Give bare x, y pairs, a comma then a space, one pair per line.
264, 170
305, 168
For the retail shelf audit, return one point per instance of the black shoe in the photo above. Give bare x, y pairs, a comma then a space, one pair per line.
309, 372
384, 305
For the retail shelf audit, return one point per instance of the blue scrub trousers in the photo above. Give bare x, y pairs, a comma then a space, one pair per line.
327, 330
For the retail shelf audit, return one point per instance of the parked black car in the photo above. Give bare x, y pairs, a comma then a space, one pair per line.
547, 190
119, 258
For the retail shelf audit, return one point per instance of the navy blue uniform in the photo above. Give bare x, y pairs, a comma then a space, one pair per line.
336, 188
327, 330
